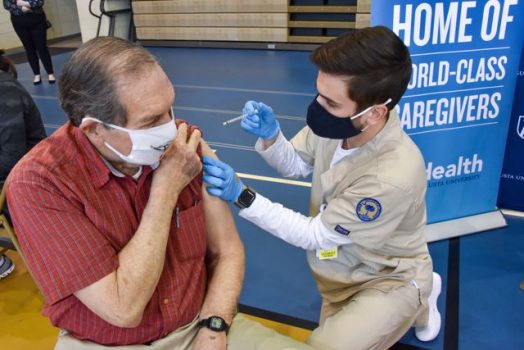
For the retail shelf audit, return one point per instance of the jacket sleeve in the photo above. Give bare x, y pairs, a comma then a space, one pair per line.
12, 133
36, 3
282, 157
10, 5
305, 232
34, 126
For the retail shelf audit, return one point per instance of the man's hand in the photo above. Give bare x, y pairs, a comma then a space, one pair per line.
221, 180
179, 164
260, 120
22, 4
207, 339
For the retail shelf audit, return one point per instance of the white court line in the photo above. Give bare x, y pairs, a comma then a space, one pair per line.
274, 179
461, 51
215, 144
195, 109
449, 129
211, 143
242, 175
220, 88
223, 88
512, 213
45, 97
453, 91
229, 112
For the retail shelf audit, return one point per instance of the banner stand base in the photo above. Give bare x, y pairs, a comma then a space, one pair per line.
465, 226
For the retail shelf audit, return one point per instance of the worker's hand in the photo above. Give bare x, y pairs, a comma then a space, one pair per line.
179, 164
221, 180
260, 120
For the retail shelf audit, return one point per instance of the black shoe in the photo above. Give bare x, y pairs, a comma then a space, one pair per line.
52, 81
37, 82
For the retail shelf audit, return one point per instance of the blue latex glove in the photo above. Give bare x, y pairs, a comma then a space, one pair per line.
260, 120
221, 180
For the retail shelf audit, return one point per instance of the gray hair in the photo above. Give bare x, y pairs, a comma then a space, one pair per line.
88, 83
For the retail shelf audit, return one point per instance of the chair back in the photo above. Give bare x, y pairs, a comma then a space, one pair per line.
7, 230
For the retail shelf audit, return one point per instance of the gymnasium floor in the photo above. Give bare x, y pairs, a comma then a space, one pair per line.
481, 303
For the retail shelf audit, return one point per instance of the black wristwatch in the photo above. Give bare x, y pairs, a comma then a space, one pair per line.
246, 198
215, 323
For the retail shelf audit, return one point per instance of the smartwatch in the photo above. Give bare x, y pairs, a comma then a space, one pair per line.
215, 323
246, 198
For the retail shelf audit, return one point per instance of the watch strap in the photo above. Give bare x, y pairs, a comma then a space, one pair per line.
214, 323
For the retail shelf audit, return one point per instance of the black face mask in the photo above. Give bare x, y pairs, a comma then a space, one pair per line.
325, 124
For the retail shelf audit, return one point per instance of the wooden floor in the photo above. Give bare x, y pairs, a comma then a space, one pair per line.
21, 324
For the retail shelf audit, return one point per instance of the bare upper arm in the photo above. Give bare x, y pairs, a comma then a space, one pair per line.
222, 234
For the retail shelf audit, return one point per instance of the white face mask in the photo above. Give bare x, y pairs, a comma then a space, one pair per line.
148, 145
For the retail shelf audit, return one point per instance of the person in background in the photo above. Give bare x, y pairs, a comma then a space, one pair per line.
364, 235
21, 128
30, 24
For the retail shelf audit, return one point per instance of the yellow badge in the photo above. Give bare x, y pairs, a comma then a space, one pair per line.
327, 254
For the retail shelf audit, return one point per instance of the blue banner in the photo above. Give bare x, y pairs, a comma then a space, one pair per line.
511, 193
458, 103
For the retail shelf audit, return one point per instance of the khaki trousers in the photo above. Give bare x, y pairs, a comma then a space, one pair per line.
244, 334
372, 319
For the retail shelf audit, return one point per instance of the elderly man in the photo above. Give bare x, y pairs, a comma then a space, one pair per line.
128, 249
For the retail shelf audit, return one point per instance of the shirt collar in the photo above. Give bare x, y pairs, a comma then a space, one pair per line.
118, 173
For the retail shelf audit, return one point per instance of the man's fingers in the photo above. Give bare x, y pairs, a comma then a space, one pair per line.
181, 133
264, 108
194, 139
249, 107
247, 124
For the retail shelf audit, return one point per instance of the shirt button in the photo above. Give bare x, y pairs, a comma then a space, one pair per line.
166, 301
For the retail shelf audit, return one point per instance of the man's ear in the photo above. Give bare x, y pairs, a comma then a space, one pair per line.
93, 130
378, 113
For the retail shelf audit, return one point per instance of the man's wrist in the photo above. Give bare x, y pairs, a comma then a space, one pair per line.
273, 135
168, 199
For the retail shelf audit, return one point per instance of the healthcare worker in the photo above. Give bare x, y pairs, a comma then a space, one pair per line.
364, 235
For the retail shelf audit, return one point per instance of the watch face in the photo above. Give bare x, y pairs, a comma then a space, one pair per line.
216, 323
246, 197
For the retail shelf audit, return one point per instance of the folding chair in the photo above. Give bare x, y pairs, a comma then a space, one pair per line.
111, 15
5, 240
6, 230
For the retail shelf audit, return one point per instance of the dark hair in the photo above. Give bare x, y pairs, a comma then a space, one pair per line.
88, 83
375, 60
7, 65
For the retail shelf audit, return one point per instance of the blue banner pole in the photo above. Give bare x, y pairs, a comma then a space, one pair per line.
511, 193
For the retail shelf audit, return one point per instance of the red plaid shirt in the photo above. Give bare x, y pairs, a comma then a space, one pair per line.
73, 216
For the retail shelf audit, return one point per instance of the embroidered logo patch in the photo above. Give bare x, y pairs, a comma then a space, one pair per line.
342, 230
369, 209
